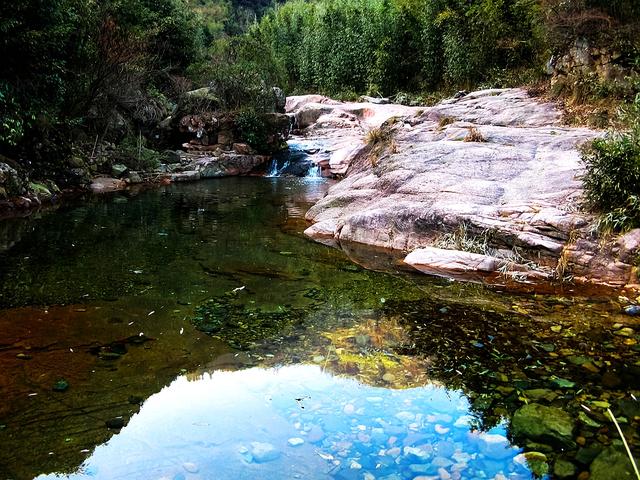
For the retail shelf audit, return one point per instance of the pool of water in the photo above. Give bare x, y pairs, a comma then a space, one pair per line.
193, 332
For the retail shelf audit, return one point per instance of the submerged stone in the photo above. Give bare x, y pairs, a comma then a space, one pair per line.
494, 446
564, 469
115, 423
263, 452
612, 463
61, 385
544, 424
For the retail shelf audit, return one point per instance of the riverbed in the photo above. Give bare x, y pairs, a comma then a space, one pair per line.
194, 332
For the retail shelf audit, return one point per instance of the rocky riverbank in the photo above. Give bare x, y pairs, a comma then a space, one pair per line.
208, 144
485, 186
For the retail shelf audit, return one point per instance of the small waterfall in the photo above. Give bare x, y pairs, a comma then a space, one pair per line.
272, 170
276, 170
299, 160
314, 172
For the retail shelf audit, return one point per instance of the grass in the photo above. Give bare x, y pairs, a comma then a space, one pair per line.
376, 136
461, 239
444, 121
380, 140
474, 135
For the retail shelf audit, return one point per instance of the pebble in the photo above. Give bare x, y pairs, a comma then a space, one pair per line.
625, 332
441, 462
349, 409
295, 441
405, 416
443, 474
632, 310
463, 422
190, 467
394, 452
389, 377
441, 430
263, 452
316, 434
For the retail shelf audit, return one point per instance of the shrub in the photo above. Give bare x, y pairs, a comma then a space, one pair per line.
612, 178
252, 128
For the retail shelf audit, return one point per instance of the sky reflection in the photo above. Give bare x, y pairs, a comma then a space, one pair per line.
300, 422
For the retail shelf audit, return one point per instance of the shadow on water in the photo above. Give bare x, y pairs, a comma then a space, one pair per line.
192, 332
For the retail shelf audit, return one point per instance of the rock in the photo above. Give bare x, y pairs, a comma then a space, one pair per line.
61, 385
612, 463
186, 176
534, 461
407, 193
564, 469
115, 423
562, 383
544, 424
242, 149
134, 178
280, 99
438, 261
118, 169
633, 310
11, 181
625, 332
316, 434
263, 452
295, 441
349, 409
495, 446
227, 164
538, 394
389, 377
375, 100
190, 467
106, 185
586, 455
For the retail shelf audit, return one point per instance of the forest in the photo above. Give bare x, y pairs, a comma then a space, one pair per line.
78, 73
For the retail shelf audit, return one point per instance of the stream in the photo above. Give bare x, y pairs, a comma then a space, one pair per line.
192, 332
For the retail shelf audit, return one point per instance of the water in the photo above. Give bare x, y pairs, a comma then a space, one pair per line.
202, 336
302, 159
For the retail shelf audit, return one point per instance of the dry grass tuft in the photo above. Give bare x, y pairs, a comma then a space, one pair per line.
474, 135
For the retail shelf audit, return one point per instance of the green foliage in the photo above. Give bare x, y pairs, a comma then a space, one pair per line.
71, 66
384, 46
134, 153
612, 179
252, 128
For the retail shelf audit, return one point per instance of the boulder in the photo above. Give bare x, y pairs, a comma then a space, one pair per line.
107, 184
118, 170
612, 463
10, 180
540, 423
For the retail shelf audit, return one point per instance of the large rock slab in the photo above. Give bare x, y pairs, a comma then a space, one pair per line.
494, 163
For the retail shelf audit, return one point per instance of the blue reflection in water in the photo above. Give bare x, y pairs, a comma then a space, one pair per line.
300, 422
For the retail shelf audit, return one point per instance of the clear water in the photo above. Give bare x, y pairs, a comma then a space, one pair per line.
201, 335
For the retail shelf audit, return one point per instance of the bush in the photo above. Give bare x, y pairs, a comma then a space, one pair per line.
612, 179
252, 129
